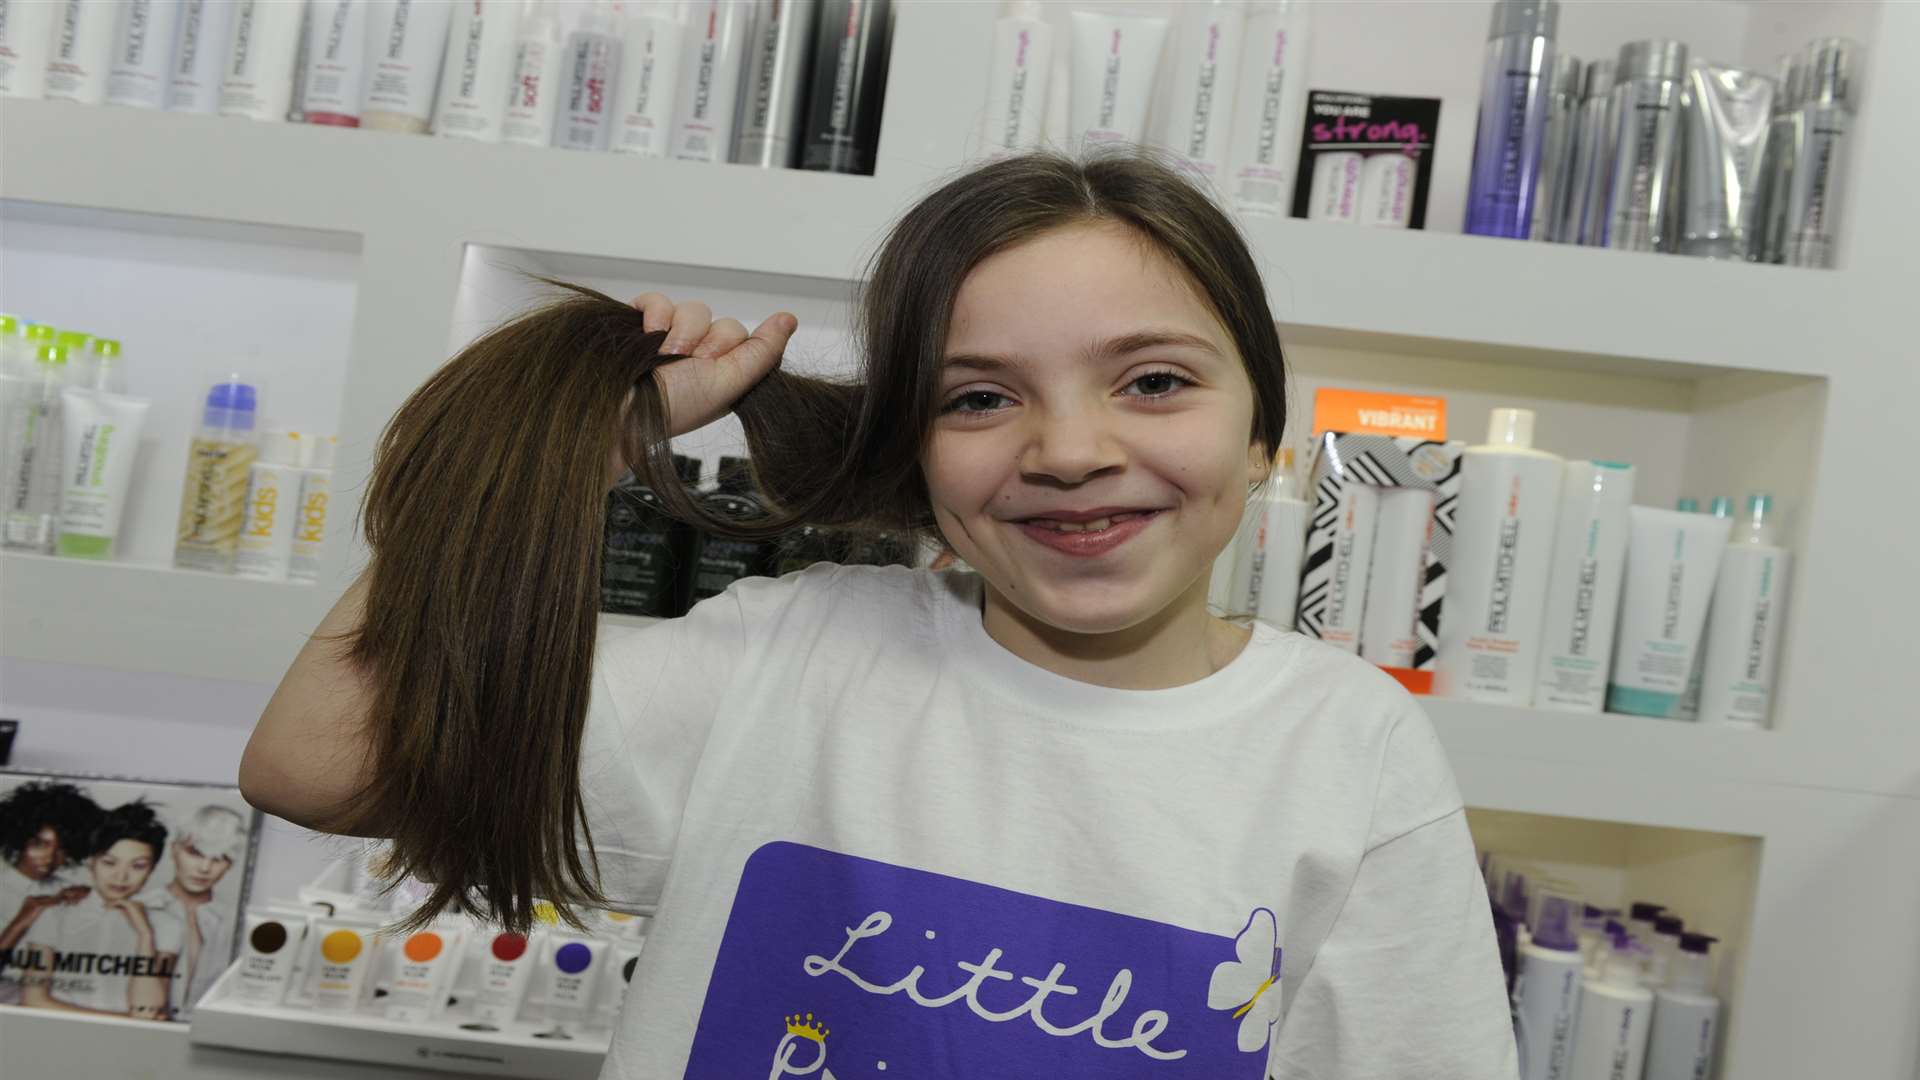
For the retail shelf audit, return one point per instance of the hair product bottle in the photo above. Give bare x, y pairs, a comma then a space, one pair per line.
648, 551
1686, 1016
33, 446
1688, 707
1268, 108
1820, 165
258, 83
649, 75
1351, 564
1514, 103
533, 85
1776, 169
1556, 149
142, 53
1728, 119
849, 82
779, 51
200, 59
1018, 81
1336, 186
1615, 1015
82, 50
336, 58
1743, 631
1592, 169
1115, 58
1206, 61
589, 77
720, 561
273, 507
473, 82
213, 499
1642, 199
1546, 993
1583, 588
406, 41
1266, 573
101, 431
704, 104
1672, 558
1502, 551
1387, 631
310, 528
26, 39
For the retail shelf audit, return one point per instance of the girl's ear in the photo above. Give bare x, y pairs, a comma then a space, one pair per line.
1259, 462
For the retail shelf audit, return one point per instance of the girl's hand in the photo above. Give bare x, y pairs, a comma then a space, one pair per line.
723, 360
136, 913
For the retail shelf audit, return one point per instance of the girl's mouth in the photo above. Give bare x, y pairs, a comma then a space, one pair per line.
1087, 538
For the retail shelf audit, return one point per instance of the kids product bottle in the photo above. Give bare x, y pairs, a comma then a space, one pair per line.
720, 561
1547, 993
1743, 629
33, 453
1615, 1015
310, 528
1685, 1017
1515, 95
1502, 546
219, 464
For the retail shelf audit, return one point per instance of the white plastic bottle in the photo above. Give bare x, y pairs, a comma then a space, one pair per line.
588, 81
1269, 108
26, 40
704, 105
649, 75
473, 82
1743, 627
258, 84
534, 81
406, 40
1388, 631
1351, 565
32, 458
1583, 588
1686, 1017
1266, 573
310, 526
1206, 62
1017, 82
142, 64
1688, 708
200, 56
335, 62
1502, 551
82, 50
1616, 1013
1546, 991
273, 508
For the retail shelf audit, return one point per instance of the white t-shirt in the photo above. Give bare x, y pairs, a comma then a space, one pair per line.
15, 887
878, 845
97, 950
216, 943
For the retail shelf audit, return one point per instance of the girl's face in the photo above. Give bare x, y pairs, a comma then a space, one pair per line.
122, 870
1091, 453
43, 855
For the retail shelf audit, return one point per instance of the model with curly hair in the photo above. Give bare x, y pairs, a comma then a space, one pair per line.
43, 827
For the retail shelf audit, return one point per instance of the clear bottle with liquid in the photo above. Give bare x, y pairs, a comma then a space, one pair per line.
33, 454
213, 500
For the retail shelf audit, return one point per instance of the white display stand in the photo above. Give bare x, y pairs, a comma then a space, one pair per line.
1727, 377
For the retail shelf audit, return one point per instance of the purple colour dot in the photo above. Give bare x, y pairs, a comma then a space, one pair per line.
573, 958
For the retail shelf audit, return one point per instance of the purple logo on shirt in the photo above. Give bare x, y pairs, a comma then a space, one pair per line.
834, 966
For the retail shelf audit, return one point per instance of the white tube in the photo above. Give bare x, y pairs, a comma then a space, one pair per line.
143, 54
473, 82
1743, 625
427, 964
1019, 77
310, 531
1353, 532
26, 40
269, 952
709, 82
1672, 558
102, 436
1386, 190
534, 82
590, 74
258, 83
1268, 108
273, 509
505, 971
341, 953
1336, 186
1114, 57
1583, 588
336, 62
200, 58
1206, 62
649, 76
82, 51
572, 968
1266, 574
1497, 576
1387, 630
1059, 117
406, 40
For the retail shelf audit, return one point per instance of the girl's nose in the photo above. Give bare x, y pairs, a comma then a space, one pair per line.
1070, 448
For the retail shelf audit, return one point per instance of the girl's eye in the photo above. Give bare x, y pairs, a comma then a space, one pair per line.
975, 401
1157, 384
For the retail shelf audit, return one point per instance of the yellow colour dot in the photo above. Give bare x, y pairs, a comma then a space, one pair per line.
340, 947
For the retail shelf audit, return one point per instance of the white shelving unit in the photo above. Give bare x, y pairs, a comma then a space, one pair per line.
1712, 377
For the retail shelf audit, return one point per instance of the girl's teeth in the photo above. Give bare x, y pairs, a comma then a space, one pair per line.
1096, 525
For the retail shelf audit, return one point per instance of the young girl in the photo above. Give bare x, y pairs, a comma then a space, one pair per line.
1046, 818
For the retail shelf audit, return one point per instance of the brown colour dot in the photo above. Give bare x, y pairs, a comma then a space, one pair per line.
268, 938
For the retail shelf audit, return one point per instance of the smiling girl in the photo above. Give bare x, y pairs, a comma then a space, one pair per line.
1045, 816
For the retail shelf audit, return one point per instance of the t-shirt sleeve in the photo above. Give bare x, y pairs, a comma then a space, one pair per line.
1407, 982
169, 932
656, 692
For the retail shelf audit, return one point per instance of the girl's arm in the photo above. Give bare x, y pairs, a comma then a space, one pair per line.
30, 912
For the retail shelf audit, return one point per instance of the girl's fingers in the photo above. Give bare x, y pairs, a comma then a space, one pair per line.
690, 323
722, 337
656, 310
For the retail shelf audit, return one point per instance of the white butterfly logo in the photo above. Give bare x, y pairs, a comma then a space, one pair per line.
1247, 983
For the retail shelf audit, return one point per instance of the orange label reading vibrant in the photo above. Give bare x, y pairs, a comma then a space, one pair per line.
1367, 413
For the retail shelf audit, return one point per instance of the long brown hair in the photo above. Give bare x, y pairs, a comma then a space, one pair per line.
487, 504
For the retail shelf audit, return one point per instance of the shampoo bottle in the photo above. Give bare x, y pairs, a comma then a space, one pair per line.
473, 81
1017, 83
336, 55
1388, 632
200, 58
1583, 588
1615, 1015
258, 80
406, 41
1644, 196
1266, 573
779, 57
32, 458
82, 50
273, 494
649, 75
588, 81
1502, 549
1515, 94
1743, 632
26, 39
1350, 565
1268, 108
213, 499
533, 85
1206, 60
1688, 707
1686, 1017
1546, 992
142, 53
709, 82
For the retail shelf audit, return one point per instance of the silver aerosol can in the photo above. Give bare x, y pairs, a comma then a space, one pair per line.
1819, 169
1776, 169
1643, 204
1556, 149
1592, 169
779, 52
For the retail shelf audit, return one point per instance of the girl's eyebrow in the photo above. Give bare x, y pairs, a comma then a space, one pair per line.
1123, 345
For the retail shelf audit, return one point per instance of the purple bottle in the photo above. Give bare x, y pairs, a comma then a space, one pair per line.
1514, 100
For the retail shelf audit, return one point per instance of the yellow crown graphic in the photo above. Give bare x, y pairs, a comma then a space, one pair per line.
807, 1029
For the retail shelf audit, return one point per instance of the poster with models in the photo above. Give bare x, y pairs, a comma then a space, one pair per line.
119, 897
